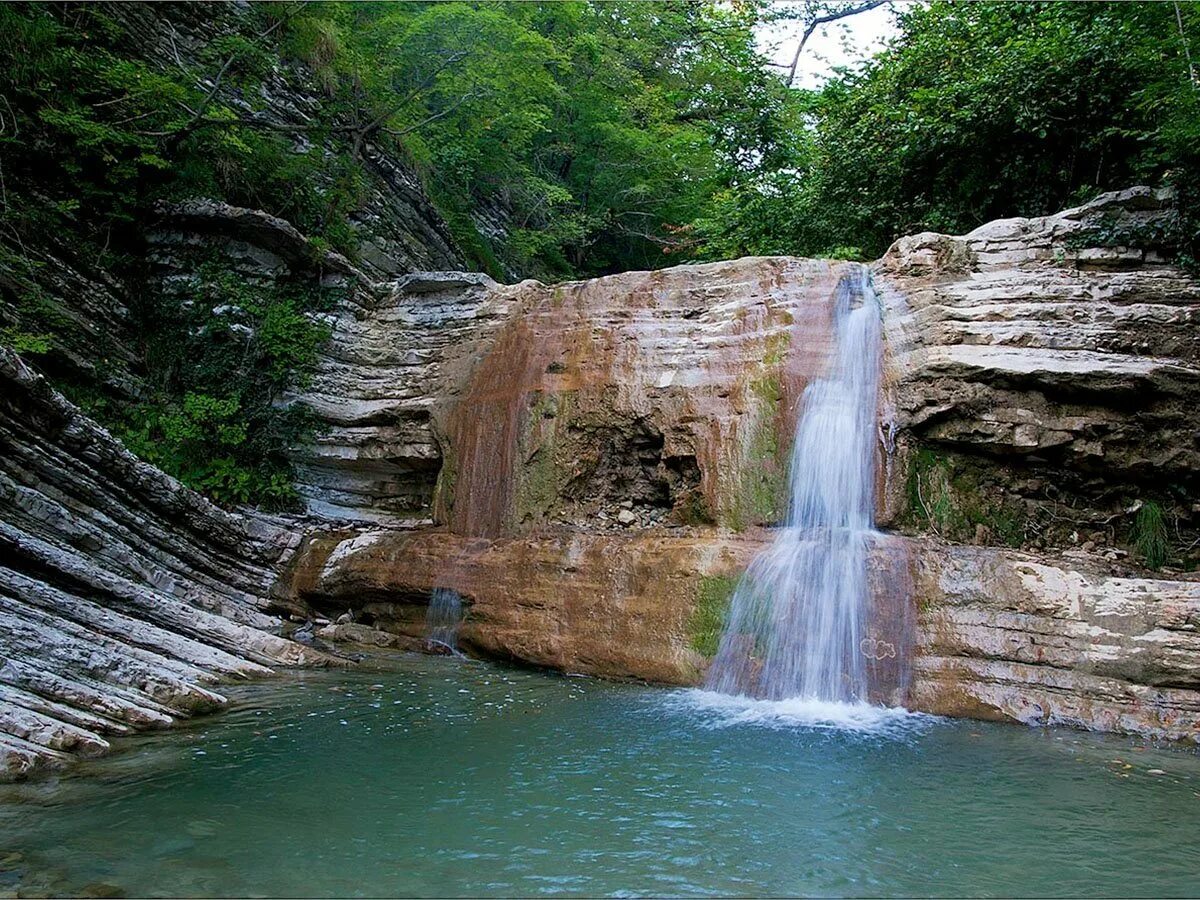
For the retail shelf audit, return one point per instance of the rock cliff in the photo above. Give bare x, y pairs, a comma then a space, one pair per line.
1001, 634
124, 597
607, 454
1050, 369
395, 229
591, 465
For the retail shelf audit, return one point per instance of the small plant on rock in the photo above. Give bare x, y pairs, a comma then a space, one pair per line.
1149, 535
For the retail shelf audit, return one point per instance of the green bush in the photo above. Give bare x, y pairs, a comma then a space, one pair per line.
946, 498
221, 352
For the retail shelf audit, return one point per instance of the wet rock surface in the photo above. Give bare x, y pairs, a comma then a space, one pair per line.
377, 454
668, 396
616, 605
1000, 634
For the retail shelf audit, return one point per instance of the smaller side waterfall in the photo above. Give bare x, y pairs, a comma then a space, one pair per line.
797, 622
442, 619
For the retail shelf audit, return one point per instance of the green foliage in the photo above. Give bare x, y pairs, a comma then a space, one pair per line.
23, 341
857, 254
1149, 535
558, 139
93, 134
203, 442
945, 498
220, 352
980, 111
596, 131
711, 609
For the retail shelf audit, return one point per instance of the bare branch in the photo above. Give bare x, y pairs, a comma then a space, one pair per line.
1187, 53
825, 20
198, 113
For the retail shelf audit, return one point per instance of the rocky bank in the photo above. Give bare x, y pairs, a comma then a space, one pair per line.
124, 597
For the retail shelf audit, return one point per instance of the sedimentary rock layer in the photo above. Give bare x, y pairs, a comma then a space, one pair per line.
588, 436
592, 464
1039, 640
666, 391
528, 403
1056, 361
124, 597
376, 455
1000, 634
605, 604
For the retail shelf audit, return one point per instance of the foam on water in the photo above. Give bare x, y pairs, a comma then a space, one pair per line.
717, 710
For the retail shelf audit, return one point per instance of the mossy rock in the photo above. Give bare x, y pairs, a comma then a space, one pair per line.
710, 612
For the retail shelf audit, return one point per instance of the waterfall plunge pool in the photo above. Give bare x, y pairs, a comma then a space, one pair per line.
435, 776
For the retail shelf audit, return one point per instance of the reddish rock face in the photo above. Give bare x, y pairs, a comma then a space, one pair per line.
674, 391
633, 605
996, 634
617, 605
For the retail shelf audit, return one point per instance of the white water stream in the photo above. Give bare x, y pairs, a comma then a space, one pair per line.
797, 619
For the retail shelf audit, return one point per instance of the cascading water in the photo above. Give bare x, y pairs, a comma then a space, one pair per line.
442, 619
797, 620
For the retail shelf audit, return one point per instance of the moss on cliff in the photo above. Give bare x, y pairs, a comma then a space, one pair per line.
711, 609
762, 482
946, 496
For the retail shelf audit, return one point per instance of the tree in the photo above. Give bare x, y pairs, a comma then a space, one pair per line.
814, 14
984, 110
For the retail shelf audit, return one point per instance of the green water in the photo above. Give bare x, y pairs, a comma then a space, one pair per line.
435, 776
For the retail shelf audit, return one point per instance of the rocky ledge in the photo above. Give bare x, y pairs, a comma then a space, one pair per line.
124, 597
999, 634
1048, 371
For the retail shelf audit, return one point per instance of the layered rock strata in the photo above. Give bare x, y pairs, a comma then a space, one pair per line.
667, 390
377, 455
591, 465
1050, 368
125, 598
609, 451
1053, 641
1000, 634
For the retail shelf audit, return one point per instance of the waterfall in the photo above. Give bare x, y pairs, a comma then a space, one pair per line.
798, 619
443, 618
